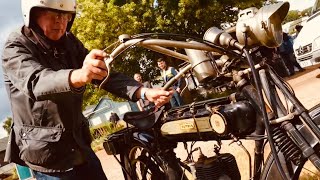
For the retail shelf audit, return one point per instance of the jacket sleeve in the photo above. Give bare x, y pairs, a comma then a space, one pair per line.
122, 86
26, 73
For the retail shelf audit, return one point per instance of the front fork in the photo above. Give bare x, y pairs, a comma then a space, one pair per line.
283, 115
304, 142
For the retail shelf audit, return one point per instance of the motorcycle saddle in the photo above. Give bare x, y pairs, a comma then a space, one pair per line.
143, 119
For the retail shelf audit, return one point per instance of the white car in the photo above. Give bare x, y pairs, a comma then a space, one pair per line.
307, 44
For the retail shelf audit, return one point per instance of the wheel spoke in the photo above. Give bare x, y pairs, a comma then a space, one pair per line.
144, 164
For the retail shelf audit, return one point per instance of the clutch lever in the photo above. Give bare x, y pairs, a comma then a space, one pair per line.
108, 60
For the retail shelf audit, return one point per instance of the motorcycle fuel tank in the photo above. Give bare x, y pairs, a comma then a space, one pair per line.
211, 122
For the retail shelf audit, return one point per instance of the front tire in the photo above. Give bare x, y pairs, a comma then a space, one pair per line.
295, 172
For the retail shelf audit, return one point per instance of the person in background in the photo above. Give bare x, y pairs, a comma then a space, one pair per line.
143, 104
272, 58
46, 69
167, 73
114, 118
298, 29
287, 54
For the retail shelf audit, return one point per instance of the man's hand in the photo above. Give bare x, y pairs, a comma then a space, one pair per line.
93, 68
157, 95
178, 90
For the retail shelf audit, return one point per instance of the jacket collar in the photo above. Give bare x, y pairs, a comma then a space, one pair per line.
36, 35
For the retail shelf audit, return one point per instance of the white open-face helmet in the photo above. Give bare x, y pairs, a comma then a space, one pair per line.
60, 5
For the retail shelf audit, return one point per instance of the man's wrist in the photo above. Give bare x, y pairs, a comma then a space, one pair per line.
74, 79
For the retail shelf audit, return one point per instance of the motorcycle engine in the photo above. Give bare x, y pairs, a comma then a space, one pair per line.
209, 121
219, 167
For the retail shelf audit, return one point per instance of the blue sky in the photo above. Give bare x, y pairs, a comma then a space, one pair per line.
11, 18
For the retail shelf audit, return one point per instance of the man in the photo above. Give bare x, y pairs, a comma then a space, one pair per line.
287, 54
298, 29
143, 104
45, 71
167, 73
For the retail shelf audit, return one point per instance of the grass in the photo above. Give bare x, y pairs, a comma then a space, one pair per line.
99, 133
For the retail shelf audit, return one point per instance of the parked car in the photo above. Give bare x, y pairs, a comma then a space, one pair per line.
307, 43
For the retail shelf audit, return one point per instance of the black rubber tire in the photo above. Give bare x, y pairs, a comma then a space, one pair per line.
270, 170
148, 165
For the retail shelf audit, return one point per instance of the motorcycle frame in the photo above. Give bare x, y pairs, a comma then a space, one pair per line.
306, 135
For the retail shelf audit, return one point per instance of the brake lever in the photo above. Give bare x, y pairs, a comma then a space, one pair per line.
107, 60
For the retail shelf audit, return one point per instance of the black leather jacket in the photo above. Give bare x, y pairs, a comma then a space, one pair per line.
49, 128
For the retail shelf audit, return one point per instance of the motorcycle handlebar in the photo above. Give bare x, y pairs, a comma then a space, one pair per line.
161, 46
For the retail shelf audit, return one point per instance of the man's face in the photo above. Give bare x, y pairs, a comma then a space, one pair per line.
137, 77
53, 23
162, 65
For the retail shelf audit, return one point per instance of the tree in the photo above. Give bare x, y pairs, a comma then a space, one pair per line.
7, 124
100, 22
306, 12
292, 15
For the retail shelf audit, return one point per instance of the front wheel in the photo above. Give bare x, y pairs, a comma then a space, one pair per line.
304, 170
144, 164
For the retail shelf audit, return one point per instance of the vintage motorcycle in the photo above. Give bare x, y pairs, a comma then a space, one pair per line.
263, 107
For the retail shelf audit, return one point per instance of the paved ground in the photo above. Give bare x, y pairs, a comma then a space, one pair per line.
306, 87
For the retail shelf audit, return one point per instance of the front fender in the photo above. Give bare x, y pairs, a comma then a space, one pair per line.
315, 116
270, 168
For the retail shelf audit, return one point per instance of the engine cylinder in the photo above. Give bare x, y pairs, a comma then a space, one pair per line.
222, 166
201, 64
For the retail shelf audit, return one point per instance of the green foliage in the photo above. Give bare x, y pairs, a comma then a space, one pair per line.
100, 132
100, 22
295, 14
291, 16
104, 129
92, 95
306, 12
7, 125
